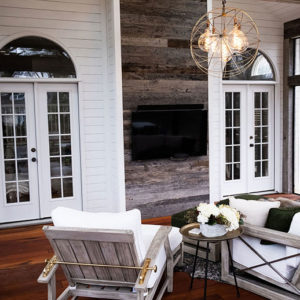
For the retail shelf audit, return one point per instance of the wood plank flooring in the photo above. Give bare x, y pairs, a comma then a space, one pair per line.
24, 249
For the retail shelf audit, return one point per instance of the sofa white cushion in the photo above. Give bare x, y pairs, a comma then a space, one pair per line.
175, 238
129, 220
256, 212
294, 229
246, 257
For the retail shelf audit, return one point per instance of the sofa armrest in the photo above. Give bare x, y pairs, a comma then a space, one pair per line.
275, 236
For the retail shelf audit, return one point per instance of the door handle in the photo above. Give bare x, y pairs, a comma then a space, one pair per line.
33, 149
33, 159
251, 145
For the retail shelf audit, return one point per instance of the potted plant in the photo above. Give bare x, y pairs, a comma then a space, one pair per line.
217, 220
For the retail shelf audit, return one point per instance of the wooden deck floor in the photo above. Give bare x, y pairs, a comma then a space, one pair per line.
23, 250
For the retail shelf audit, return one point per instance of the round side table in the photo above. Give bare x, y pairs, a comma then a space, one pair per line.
200, 238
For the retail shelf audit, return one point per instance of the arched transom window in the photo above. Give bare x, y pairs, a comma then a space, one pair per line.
261, 69
35, 57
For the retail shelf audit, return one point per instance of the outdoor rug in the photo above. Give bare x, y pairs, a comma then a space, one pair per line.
214, 268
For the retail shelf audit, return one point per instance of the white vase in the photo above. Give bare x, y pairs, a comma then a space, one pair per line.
212, 230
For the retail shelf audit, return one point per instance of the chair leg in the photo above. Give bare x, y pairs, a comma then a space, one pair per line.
170, 265
182, 255
52, 288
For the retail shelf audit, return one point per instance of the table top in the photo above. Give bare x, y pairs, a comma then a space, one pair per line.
199, 237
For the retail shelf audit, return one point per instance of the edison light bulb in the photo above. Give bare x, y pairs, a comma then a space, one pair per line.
205, 40
225, 50
237, 39
221, 48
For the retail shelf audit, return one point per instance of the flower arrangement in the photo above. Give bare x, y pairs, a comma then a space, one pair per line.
223, 215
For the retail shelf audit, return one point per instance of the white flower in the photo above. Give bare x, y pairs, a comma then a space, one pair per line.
208, 209
202, 219
231, 215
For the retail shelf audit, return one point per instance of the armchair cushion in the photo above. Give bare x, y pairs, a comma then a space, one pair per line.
246, 257
175, 238
128, 220
256, 212
294, 229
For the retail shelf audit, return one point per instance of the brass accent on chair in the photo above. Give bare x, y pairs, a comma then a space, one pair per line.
145, 268
50, 264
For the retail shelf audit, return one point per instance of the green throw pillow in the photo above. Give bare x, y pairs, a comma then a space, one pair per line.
223, 202
241, 196
249, 197
280, 219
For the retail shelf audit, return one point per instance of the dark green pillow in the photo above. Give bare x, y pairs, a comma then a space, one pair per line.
223, 202
280, 219
249, 197
241, 196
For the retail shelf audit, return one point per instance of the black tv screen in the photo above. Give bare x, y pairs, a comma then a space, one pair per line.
169, 131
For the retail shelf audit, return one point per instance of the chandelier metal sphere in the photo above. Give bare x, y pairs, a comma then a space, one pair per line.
224, 41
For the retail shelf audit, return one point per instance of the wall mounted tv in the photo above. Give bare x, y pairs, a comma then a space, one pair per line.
169, 131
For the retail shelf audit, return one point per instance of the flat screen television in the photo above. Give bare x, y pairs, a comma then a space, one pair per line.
169, 131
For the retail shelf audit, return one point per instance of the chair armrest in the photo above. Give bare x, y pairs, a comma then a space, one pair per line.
158, 241
46, 279
275, 236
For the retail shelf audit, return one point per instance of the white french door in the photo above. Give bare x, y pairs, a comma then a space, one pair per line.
248, 135
39, 150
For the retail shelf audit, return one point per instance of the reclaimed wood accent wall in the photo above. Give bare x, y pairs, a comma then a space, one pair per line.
158, 69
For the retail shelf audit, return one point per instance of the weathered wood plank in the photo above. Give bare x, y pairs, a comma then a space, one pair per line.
67, 254
127, 258
82, 256
111, 258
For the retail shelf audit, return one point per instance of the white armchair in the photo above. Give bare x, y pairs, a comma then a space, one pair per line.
277, 264
96, 249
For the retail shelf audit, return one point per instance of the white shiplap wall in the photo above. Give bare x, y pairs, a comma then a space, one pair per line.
82, 28
269, 17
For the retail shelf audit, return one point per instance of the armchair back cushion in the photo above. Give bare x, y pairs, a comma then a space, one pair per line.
294, 229
256, 212
128, 220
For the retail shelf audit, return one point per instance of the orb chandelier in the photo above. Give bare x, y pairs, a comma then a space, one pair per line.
224, 41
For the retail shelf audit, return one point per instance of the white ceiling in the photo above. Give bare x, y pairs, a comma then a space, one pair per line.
285, 10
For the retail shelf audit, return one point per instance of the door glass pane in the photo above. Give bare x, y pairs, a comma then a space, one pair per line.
10, 170
11, 192
68, 187
23, 191
232, 136
6, 103
52, 102
53, 123
60, 144
261, 149
56, 188
9, 148
14, 141
21, 145
22, 169
20, 124
8, 125
19, 103
54, 145
64, 102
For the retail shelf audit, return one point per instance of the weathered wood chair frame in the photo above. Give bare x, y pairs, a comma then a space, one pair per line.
85, 254
275, 290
